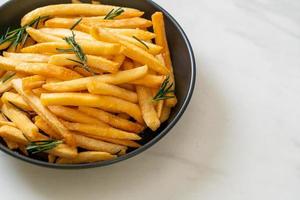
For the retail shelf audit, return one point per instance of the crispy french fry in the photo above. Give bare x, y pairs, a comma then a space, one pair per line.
5, 45
8, 63
106, 103
123, 115
81, 84
34, 102
113, 120
3, 123
77, 10
119, 59
73, 115
165, 114
161, 39
16, 100
97, 145
147, 107
141, 34
89, 47
135, 22
159, 107
11, 145
63, 32
2, 72
39, 91
96, 87
127, 143
41, 124
127, 86
41, 37
48, 70
21, 120
66, 23
95, 62
27, 57
13, 134
87, 157
132, 51
31, 82
96, 131
5, 81
150, 80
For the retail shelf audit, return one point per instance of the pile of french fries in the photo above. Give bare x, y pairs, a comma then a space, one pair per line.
79, 82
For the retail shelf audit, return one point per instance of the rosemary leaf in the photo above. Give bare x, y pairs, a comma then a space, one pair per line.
114, 13
8, 77
140, 41
75, 24
41, 146
164, 90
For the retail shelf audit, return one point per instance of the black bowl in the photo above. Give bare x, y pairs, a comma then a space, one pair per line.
182, 56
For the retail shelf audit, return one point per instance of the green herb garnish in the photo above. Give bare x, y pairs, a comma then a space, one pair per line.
76, 48
76, 23
19, 35
41, 146
164, 90
114, 13
6, 78
140, 41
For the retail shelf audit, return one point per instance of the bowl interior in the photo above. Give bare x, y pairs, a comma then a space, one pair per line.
182, 57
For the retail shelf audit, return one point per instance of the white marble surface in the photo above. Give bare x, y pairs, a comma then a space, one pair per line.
238, 140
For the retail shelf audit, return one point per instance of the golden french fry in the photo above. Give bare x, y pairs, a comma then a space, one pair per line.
95, 131
13, 134
41, 37
147, 107
119, 59
63, 32
141, 34
5, 45
5, 81
97, 145
150, 80
127, 86
113, 120
2, 123
106, 103
39, 91
165, 114
76, 1
77, 10
95, 2
34, 102
27, 57
52, 80
8, 63
48, 70
31, 82
132, 51
2, 72
64, 151
41, 124
67, 23
11, 145
95, 62
127, 143
16, 100
89, 47
87, 157
135, 22
96, 87
21, 120
159, 107
124, 116
73, 115
81, 84
161, 40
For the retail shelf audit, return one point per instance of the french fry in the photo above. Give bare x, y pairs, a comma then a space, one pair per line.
2, 72
161, 39
34, 102
11, 145
141, 34
123, 115
5, 45
48, 70
96, 87
64, 151
8, 63
95, 131
127, 86
113, 120
3, 123
135, 22
13, 134
31, 82
5, 81
16, 100
77, 10
119, 59
159, 107
66, 23
81, 84
165, 114
147, 107
106, 103
96, 2
89, 47
41, 37
132, 51
73, 115
76, 1
52, 80
39, 91
27, 57
150, 80
127, 143
97, 145
87, 157
63, 32
41, 124
95, 62
51, 158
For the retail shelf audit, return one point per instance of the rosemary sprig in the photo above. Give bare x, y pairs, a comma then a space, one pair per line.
140, 41
164, 90
19, 35
75, 24
8, 77
114, 13
76, 48
41, 146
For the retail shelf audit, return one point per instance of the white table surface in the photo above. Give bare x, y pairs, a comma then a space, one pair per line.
238, 140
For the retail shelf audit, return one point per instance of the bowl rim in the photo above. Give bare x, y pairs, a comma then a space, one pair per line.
146, 146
